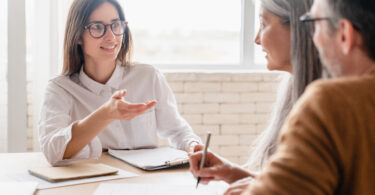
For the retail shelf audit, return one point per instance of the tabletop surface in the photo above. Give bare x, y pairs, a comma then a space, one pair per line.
22, 161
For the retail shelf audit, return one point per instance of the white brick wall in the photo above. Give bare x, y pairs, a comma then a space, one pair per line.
235, 107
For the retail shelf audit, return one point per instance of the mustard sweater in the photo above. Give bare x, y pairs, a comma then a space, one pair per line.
327, 144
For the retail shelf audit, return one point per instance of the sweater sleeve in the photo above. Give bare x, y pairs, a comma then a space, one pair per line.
306, 158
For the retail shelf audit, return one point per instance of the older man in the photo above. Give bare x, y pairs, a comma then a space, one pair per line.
327, 144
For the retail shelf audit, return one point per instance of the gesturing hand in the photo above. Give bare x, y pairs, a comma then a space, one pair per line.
119, 109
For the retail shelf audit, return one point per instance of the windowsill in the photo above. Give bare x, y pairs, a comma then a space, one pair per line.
214, 68
234, 71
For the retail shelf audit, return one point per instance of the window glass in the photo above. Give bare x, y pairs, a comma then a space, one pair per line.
259, 55
185, 31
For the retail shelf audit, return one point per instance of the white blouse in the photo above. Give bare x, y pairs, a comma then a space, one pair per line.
69, 99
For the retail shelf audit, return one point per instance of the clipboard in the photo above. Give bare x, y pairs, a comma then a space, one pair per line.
152, 159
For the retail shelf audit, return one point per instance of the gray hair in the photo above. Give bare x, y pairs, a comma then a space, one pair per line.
306, 68
361, 13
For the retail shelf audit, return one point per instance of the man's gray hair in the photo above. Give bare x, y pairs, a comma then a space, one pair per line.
361, 13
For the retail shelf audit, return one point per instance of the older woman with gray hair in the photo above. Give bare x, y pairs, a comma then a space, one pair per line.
289, 48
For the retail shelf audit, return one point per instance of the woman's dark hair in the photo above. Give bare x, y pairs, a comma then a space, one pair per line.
78, 17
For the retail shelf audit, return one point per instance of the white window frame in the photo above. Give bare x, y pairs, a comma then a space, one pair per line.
17, 110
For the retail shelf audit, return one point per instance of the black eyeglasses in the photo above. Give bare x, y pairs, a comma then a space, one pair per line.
309, 22
98, 29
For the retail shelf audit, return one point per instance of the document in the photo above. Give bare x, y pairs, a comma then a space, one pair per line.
19, 188
154, 189
152, 159
43, 184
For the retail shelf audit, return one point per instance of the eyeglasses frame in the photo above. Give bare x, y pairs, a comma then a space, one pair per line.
105, 28
306, 18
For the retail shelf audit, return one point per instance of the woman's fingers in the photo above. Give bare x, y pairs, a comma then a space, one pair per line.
239, 186
234, 191
119, 94
210, 172
194, 160
129, 111
123, 110
236, 188
206, 180
136, 107
198, 147
150, 104
194, 147
210, 169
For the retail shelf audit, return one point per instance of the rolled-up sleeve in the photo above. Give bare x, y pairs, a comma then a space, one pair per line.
170, 124
55, 128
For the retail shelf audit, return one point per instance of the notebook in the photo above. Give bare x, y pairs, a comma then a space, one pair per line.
152, 159
74, 171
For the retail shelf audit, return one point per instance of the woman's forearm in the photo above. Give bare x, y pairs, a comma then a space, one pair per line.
237, 174
85, 130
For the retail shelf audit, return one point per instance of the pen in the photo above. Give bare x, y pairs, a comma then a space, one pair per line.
204, 155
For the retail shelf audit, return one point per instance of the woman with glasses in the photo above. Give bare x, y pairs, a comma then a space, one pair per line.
289, 48
102, 100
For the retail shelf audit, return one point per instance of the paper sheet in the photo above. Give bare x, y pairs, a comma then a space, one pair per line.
149, 158
158, 189
43, 184
19, 188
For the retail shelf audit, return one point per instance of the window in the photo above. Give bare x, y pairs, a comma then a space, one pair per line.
187, 34
3, 73
185, 31
258, 53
